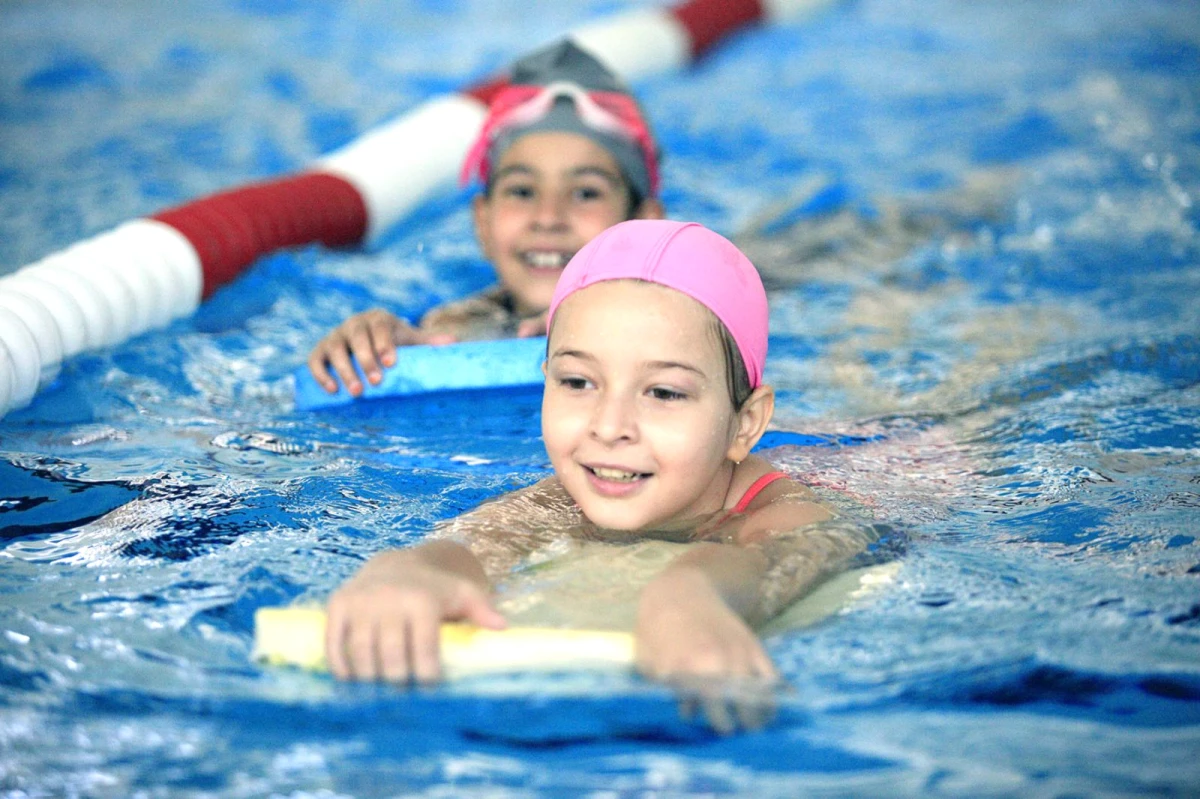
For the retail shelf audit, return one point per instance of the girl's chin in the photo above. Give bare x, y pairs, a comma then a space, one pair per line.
615, 528
542, 281
544, 273
536, 298
616, 520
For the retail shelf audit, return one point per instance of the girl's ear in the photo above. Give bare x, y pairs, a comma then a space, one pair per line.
752, 422
650, 208
481, 214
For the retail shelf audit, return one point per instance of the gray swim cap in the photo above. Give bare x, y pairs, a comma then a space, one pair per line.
566, 62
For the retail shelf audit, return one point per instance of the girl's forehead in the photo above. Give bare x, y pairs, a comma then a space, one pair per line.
612, 305
555, 151
618, 293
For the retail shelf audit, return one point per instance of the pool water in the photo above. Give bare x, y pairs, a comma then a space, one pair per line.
979, 223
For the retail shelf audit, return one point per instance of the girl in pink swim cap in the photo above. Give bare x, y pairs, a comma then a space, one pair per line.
653, 402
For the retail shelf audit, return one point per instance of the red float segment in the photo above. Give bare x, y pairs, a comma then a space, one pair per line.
708, 21
232, 229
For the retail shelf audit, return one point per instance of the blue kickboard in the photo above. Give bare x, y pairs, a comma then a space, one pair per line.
503, 363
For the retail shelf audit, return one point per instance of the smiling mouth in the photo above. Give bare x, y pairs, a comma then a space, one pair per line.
546, 259
616, 475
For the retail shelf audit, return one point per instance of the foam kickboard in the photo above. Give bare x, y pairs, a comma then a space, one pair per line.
468, 365
295, 636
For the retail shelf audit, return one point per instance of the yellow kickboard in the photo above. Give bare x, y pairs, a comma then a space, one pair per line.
295, 636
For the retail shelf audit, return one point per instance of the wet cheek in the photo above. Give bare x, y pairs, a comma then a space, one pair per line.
559, 426
505, 236
691, 443
594, 221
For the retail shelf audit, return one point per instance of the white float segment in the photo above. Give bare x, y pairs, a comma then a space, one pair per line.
59, 304
8, 378
177, 277
782, 10
147, 279
110, 258
173, 257
23, 355
406, 161
637, 44
95, 293
95, 263
42, 325
94, 310
98, 262
78, 267
85, 320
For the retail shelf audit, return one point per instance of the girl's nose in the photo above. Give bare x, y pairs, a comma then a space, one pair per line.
550, 212
614, 418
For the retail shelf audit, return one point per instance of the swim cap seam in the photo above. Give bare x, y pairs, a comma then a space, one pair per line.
655, 258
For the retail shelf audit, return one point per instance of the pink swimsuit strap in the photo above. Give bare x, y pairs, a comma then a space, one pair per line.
755, 489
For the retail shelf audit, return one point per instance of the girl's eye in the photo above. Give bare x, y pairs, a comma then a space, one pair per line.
517, 191
588, 193
573, 383
667, 394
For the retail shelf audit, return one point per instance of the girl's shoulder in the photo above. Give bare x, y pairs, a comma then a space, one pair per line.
489, 314
767, 500
757, 483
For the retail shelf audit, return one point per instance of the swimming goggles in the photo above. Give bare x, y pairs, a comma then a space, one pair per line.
520, 106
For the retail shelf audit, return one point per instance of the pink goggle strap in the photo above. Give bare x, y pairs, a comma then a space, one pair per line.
609, 112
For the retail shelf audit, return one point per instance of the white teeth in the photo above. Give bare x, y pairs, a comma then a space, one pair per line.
546, 260
615, 475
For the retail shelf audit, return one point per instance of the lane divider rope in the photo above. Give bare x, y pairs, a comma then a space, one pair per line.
147, 272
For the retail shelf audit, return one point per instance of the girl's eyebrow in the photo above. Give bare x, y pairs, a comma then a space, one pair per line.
565, 353
658, 366
599, 171
521, 169
653, 366
525, 170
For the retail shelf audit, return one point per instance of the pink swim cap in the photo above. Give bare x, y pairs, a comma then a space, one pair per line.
686, 257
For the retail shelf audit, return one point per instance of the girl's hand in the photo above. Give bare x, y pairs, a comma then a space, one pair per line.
384, 623
686, 635
371, 337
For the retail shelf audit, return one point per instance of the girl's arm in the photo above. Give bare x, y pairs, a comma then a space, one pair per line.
696, 617
692, 618
690, 631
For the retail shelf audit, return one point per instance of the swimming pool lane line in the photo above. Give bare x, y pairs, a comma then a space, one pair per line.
147, 272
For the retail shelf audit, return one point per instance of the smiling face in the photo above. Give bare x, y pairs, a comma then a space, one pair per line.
636, 415
551, 193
